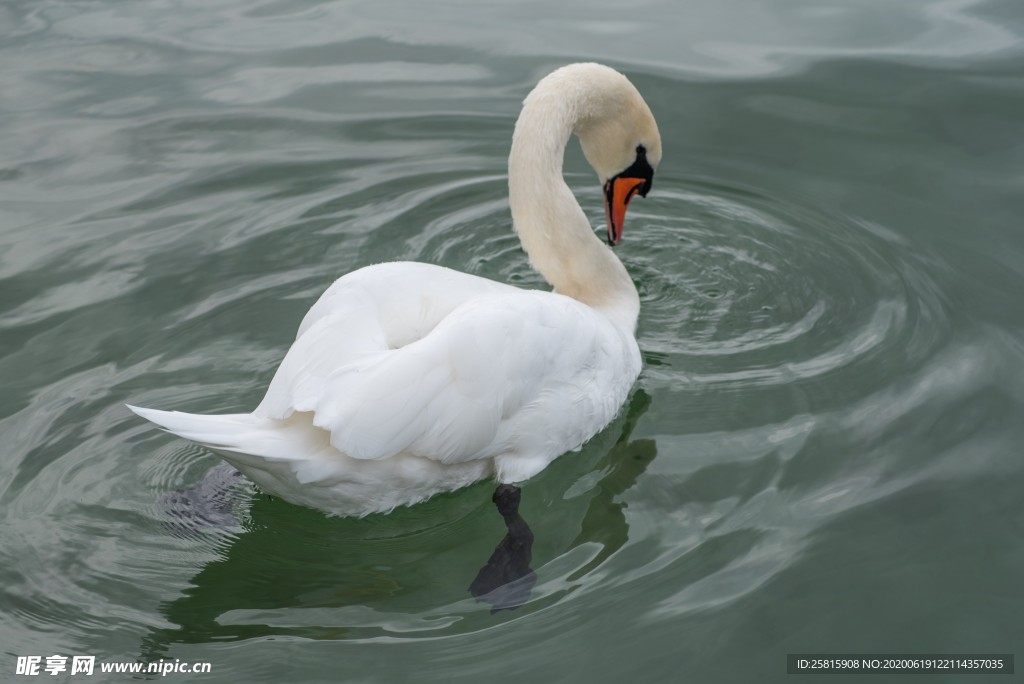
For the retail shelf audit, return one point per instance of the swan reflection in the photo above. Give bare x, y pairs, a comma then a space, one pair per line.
505, 582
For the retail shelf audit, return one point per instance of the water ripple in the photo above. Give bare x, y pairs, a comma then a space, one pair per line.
182, 185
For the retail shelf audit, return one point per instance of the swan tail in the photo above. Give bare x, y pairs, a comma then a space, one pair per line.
283, 457
294, 459
213, 432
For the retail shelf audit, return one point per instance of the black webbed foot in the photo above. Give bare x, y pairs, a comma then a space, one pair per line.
505, 582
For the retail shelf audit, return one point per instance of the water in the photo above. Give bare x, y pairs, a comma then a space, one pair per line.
821, 455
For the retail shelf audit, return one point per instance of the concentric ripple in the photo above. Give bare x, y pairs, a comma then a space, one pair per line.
743, 291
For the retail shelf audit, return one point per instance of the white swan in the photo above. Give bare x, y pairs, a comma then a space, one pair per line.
406, 379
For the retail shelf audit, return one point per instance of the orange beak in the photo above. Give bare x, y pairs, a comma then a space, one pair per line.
617, 193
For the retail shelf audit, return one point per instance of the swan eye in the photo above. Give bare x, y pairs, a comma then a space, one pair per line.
641, 169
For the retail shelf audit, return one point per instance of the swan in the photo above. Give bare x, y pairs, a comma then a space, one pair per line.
407, 379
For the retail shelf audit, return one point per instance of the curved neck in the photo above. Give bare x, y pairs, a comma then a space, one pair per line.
552, 227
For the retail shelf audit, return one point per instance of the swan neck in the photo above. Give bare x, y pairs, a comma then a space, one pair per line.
552, 227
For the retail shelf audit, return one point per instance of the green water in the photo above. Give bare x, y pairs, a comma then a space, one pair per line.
822, 454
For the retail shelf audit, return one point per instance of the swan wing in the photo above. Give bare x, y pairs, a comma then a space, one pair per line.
374, 309
466, 388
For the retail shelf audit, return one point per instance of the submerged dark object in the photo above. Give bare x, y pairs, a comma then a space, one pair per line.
205, 504
505, 582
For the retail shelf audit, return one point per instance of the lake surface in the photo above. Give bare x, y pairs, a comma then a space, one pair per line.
823, 453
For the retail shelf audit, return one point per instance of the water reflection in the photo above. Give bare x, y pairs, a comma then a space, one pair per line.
505, 582
206, 504
605, 521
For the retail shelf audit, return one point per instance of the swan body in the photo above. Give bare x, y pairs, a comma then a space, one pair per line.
407, 379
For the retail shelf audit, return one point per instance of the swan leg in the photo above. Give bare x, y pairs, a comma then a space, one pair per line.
505, 582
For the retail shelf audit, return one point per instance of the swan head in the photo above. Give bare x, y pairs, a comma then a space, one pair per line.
619, 137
